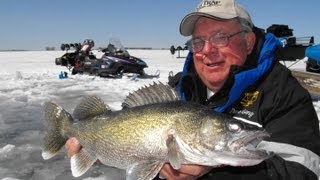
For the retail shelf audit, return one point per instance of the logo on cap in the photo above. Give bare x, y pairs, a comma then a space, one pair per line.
208, 4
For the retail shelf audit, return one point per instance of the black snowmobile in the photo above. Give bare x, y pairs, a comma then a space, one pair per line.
118, 61
79, 59
114, 62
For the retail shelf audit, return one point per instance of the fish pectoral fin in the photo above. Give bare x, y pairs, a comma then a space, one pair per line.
81, 162
174, 155
143, 170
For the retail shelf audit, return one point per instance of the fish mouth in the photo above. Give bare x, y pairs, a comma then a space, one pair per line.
247, 145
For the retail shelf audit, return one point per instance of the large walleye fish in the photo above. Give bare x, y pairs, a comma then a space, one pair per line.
153, 128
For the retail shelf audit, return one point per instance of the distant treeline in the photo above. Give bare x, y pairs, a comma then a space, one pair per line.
141, 48
5, 50
53, 49
50, 48
147, 48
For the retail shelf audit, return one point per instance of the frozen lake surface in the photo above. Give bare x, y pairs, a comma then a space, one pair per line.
30, 78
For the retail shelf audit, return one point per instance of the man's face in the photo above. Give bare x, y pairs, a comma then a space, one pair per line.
213, 63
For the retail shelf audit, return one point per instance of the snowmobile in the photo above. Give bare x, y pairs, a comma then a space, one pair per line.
69, 57
80, 52
118, 61
114, 62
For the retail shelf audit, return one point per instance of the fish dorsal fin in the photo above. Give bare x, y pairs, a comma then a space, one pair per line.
90, 106
152, 94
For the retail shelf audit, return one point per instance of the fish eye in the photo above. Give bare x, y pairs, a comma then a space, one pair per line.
235, 126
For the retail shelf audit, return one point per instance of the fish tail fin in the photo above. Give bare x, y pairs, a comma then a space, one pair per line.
58, 122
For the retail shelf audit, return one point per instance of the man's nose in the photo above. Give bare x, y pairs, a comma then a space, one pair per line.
208, 47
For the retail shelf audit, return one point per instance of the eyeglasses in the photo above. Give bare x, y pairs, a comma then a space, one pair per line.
216, 40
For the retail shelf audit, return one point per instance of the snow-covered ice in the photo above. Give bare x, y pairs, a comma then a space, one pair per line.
30, 78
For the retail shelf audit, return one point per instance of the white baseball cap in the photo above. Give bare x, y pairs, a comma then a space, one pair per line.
215, 9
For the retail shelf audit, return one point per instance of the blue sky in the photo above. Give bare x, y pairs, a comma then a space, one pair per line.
36, 24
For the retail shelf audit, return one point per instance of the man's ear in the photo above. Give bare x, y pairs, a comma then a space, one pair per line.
251, 39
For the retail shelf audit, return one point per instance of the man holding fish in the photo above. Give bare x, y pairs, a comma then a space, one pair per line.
231, 70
